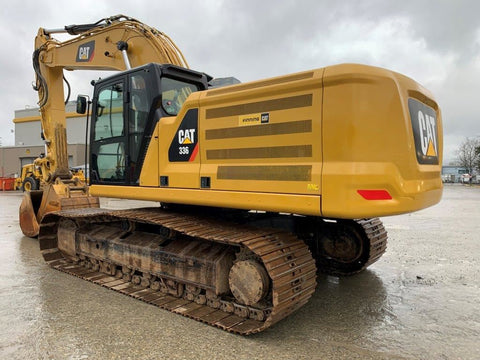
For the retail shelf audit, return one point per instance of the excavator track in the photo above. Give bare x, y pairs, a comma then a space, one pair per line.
288, 262
377, 239
352, 245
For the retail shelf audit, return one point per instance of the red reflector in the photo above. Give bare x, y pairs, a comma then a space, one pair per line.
375, 194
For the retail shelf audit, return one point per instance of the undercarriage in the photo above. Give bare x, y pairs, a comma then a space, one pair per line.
241, 273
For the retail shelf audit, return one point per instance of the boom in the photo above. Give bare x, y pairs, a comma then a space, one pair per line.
114, 43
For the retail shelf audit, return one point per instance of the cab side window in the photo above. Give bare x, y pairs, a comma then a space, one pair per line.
109, 134
138, 105
109, 113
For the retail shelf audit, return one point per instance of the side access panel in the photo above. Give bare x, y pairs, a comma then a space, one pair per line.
264, 136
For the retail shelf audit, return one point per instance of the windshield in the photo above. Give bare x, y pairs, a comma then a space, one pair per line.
174, 94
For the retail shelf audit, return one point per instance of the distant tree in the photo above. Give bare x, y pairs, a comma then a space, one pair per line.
468, 154
477, 151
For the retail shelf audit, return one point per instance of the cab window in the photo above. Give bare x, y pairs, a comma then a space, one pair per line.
174, 94
109, 135
109, 121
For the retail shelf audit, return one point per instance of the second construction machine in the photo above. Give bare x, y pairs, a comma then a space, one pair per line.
261, 184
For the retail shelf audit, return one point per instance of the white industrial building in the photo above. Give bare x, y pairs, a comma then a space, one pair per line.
29, 144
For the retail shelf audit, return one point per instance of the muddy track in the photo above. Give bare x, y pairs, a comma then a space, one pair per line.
373, 238
288, 261
377, 235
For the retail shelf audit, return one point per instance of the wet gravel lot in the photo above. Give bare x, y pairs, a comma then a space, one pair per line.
421, 300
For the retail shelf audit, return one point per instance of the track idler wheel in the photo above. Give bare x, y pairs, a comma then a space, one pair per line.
248, 281
343, 248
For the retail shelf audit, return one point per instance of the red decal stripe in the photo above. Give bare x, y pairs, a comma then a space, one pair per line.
194, 153
375, 194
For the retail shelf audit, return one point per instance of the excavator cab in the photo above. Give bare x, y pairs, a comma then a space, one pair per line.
126, 108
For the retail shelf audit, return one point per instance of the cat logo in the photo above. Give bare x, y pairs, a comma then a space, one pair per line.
184, 145
265, 118
424, 125
186, 136
86, 52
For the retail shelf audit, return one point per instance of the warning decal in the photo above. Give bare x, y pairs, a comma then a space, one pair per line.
425, 132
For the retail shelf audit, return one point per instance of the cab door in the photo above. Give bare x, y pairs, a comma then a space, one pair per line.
121, 129
109, 138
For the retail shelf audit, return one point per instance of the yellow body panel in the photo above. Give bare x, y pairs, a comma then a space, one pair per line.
369, 144
149, 175
299, 204
306, 143
181, 175
282, 155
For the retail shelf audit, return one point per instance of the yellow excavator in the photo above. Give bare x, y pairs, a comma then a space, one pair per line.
31, 177
260, 184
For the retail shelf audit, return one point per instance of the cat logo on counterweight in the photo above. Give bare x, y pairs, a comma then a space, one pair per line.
425, 132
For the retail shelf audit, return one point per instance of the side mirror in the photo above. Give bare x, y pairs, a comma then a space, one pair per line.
81, 104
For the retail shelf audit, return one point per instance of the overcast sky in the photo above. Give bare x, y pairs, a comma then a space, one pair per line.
437, 43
